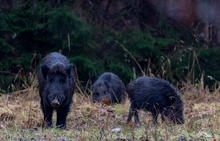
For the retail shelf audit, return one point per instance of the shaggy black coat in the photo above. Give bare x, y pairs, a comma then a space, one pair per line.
157, 96
56, 82
108, 89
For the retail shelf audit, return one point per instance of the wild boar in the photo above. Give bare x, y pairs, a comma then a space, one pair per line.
108, 89
56, 82
157, 96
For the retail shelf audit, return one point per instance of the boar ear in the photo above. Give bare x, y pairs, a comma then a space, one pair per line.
69, 69
171, 97
44, 70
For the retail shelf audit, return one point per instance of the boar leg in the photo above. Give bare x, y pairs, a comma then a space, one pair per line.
61, 116
136, 118
133, 112
130, 115
48, 113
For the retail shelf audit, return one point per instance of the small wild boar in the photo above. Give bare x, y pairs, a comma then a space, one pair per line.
108, 89
157, 96
56, 82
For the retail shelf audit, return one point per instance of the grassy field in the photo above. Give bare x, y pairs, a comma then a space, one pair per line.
21, 119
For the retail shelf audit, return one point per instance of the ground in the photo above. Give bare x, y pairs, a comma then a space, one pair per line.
21, 119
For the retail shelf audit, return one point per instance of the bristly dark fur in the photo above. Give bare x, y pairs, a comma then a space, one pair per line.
108, 87
56, 80
157, 96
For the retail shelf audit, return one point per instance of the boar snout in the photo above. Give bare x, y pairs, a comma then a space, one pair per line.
55, 102
105, 99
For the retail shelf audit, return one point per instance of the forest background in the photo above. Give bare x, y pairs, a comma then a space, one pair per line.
177, 41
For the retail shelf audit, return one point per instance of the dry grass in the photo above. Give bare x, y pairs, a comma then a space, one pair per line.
21, 119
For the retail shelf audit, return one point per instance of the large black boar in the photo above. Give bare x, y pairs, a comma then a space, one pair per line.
157, 96
56, 81
108, 89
